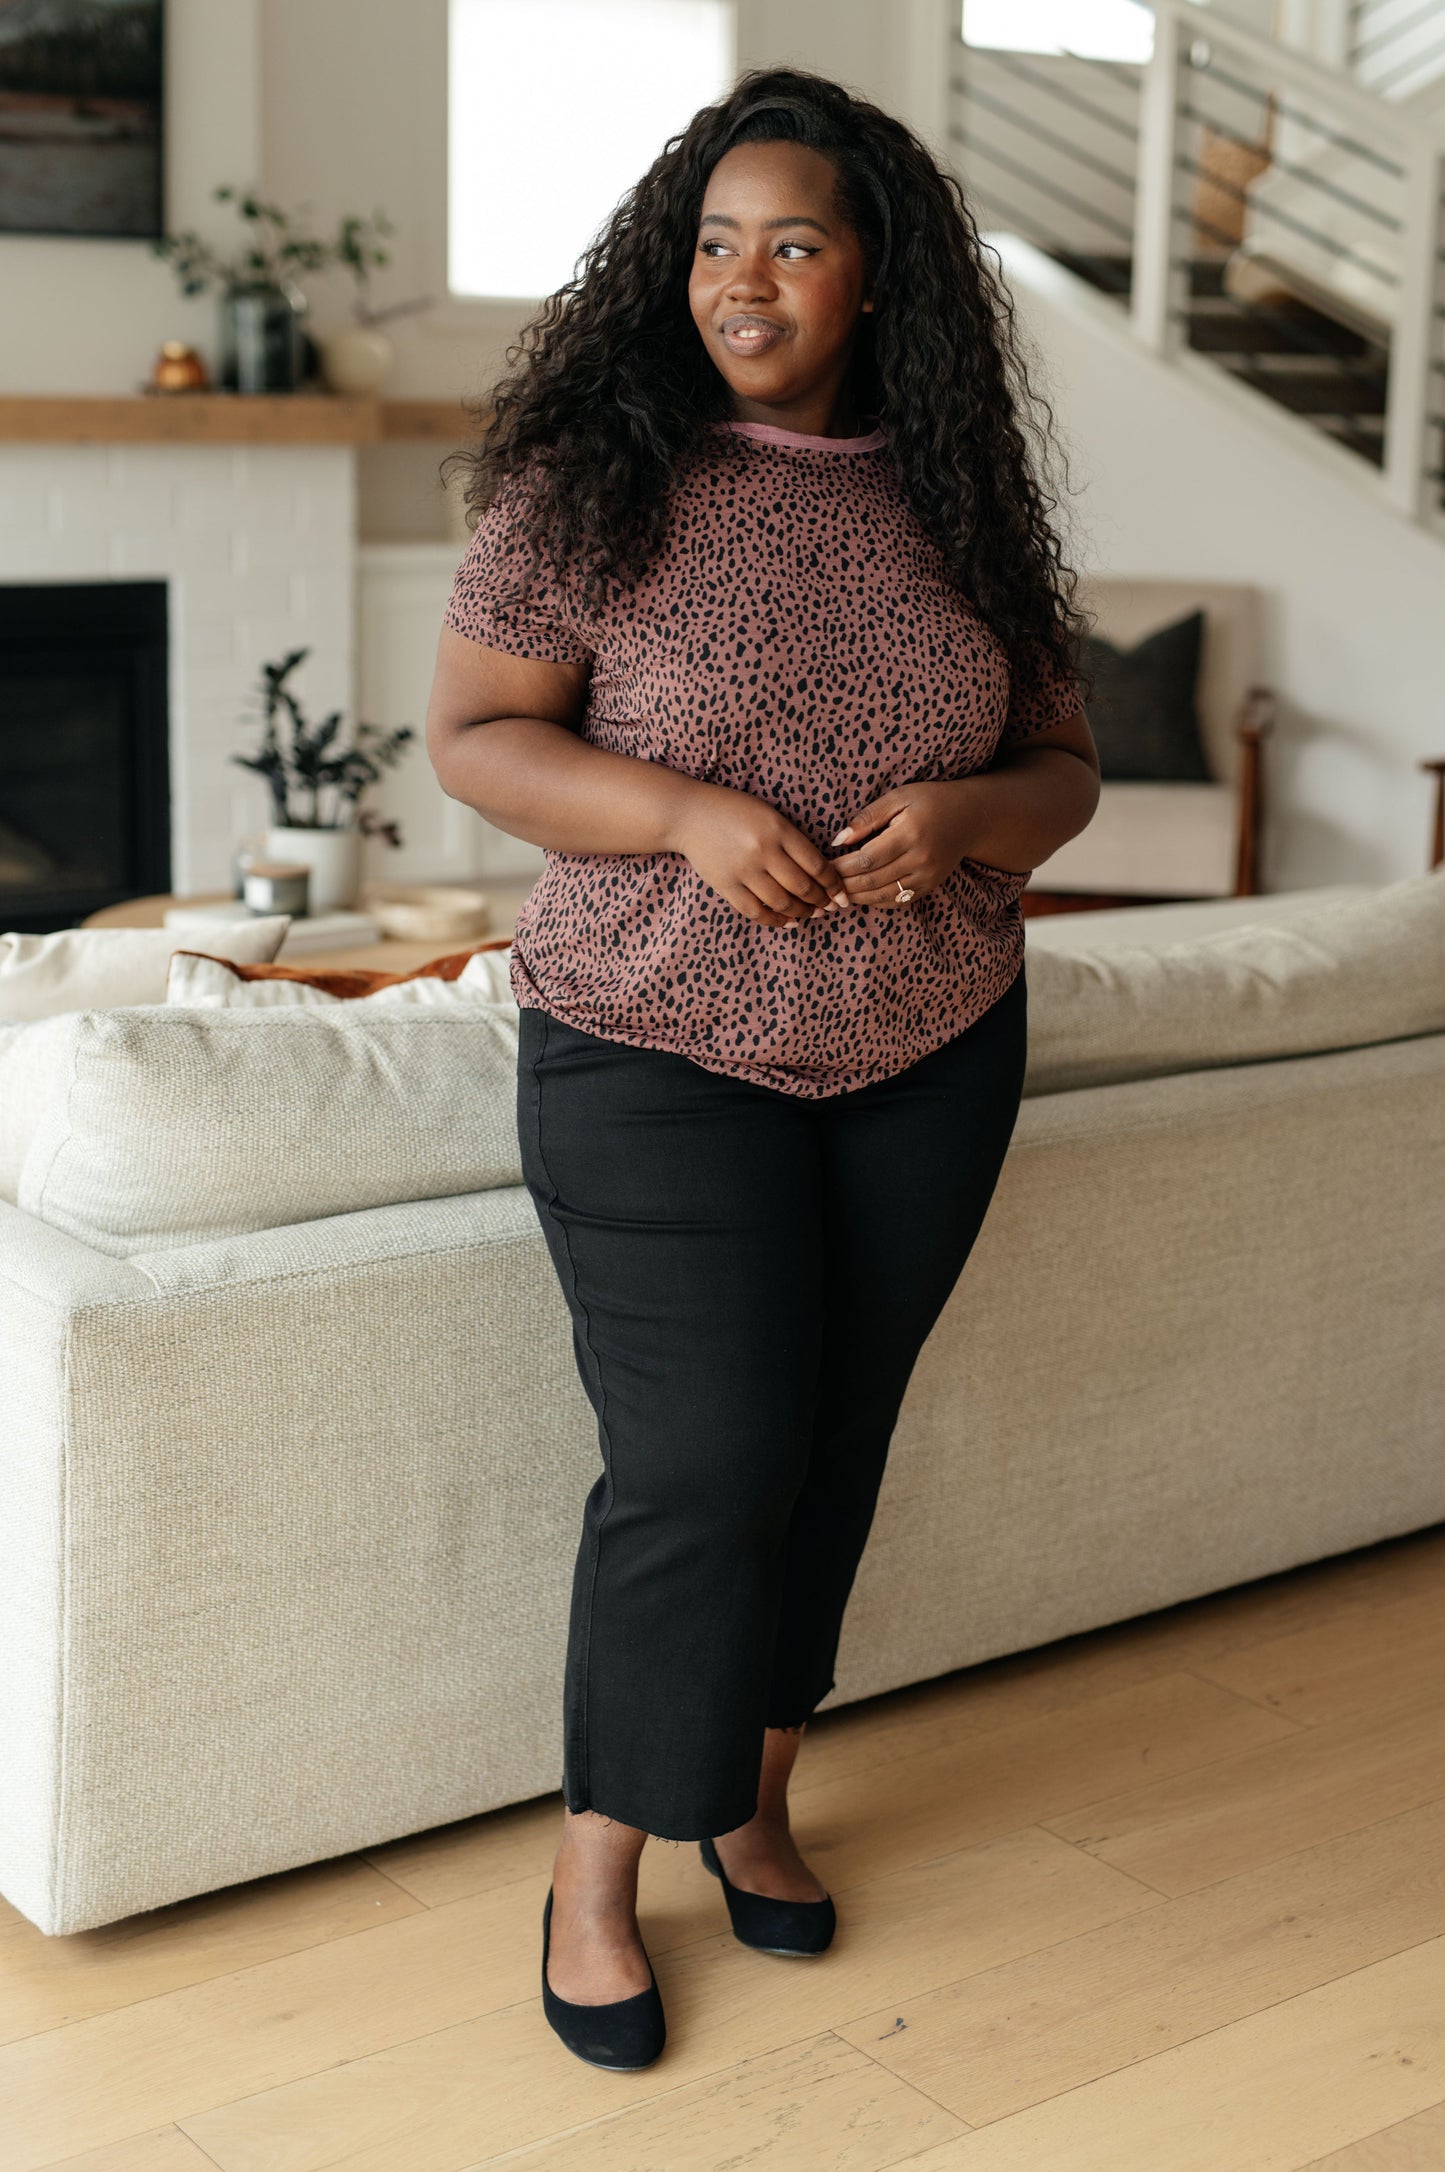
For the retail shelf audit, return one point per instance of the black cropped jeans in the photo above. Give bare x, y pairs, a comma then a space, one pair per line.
750, 1276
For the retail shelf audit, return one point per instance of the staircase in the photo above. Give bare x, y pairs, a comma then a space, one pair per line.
1281, 218
1289, 352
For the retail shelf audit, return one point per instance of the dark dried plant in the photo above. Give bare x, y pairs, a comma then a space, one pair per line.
315, 777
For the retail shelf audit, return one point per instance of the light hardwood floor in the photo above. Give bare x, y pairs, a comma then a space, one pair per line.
1166, 1898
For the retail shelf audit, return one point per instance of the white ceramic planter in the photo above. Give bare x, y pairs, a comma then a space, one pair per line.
334, 858
356, 360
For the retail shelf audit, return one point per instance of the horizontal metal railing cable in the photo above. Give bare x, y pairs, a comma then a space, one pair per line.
1307, 340
1361, 47
1297, 338
1043, 79
1302, 118
1290, 166
1045, 188
1305, 76
1122, 177
1338, 249
1125, 72
1364, 49
1384, 84
1015, 220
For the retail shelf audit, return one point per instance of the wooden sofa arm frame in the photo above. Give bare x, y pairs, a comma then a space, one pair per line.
1436, 768
1256, 718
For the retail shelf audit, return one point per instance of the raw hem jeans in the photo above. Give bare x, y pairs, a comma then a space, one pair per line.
750, 1276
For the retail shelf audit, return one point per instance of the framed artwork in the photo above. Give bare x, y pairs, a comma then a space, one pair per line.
81, 112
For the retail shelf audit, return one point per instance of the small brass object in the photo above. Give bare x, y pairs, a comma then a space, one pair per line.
178, 368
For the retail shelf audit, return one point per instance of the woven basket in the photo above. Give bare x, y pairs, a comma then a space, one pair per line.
429, 913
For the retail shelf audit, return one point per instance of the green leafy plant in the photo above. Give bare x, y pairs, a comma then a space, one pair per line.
358, 250
276, 246
314, 776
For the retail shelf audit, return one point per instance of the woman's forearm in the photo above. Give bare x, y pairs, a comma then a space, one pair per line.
1027, 804
543, 782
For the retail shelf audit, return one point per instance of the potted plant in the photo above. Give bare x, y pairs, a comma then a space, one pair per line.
261, 306
316, 780
358, 358
262, 346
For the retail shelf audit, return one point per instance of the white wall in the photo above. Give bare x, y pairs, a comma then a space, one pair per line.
88, 316
1177, 473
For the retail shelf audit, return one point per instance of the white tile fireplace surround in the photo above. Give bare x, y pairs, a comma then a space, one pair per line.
257, 545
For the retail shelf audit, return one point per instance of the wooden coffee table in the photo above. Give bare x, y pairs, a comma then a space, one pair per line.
387, 956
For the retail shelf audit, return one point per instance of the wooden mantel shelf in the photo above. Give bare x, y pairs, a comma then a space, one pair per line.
229, 418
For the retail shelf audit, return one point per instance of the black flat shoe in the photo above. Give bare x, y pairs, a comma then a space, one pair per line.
774, 1926
623, 2035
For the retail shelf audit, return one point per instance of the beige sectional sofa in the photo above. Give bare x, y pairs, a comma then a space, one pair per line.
295, 1449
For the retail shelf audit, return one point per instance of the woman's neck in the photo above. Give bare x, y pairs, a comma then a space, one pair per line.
804, 421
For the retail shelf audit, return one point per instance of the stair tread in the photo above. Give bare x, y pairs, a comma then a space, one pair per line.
1309, 363
1244, 331
1318, 392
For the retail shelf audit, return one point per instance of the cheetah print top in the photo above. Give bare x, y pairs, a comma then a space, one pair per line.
798, 637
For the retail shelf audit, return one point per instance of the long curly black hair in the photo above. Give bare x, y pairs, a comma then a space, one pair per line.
609, 385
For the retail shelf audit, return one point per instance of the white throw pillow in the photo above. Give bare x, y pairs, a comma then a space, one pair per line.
170, 1127
206, 983
1351, 971
32, 1073
82, 969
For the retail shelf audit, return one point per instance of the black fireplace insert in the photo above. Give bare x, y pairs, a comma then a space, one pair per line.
84, 750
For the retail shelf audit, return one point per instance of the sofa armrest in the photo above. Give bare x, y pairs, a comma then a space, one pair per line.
246, 1468
56, 1270
46, 1280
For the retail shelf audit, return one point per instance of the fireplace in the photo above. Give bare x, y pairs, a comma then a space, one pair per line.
84, 765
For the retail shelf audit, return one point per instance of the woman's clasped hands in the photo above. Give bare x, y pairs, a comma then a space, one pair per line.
908, 839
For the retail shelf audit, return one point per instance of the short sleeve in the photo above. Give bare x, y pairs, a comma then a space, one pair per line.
484, 605
1051, 700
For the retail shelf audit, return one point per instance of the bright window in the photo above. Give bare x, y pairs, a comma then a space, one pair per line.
1095, 29
555, 107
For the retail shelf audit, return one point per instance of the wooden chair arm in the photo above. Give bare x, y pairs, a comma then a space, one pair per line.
1437, 828
1256, 718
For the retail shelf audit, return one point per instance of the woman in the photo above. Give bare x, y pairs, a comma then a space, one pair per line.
764, 636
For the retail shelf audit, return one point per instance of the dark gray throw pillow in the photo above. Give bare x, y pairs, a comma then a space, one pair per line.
1144, 714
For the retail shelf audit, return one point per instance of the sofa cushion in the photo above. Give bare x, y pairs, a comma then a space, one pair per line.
160, 1126
462, 978
81, 969
31, 1075
1144, 713
1351, 971
1175, 918
166, 1126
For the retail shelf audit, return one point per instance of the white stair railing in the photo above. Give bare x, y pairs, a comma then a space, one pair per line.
1394, 47
1315, 280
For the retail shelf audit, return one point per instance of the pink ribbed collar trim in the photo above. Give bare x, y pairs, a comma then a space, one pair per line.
768, 433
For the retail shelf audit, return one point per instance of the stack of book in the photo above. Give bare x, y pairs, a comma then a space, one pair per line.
317, 931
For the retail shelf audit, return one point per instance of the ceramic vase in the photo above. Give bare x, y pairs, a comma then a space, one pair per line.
261, 344
356, 360
334, 858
